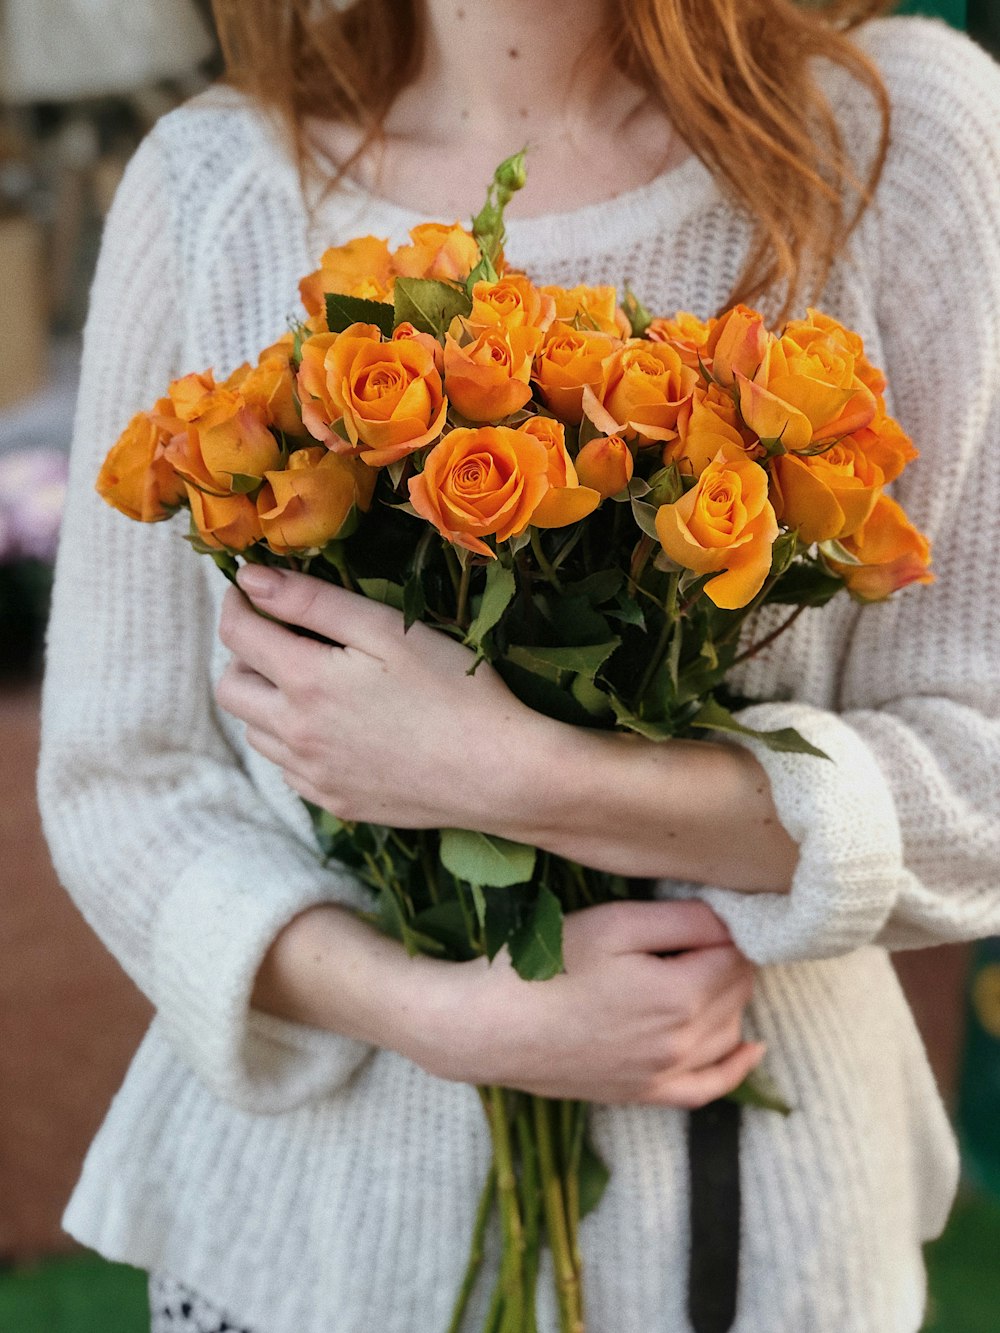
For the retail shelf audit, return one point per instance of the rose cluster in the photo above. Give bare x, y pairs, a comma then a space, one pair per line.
490, 405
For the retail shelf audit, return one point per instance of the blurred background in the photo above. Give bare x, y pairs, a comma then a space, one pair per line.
81, 81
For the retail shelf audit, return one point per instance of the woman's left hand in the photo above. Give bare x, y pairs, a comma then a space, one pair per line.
389, 728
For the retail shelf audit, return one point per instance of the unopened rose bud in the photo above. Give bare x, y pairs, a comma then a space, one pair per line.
605, 465
512, 174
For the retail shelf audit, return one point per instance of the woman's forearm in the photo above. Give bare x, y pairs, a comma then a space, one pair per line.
686, 810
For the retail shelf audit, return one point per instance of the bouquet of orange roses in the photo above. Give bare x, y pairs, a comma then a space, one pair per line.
593, 500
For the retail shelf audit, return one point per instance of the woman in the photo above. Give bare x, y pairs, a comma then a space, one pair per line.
295, 1143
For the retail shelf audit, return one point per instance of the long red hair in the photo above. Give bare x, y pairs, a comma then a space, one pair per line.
737, 79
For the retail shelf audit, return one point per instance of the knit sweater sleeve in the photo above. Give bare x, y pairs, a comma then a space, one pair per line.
900, 835
158, 834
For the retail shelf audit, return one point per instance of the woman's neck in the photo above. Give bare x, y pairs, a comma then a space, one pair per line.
499, 76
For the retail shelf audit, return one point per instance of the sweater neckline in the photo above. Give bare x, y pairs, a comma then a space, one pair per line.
660, 205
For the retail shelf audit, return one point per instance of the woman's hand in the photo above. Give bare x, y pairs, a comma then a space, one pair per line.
623, 1024
390, 729
387, 729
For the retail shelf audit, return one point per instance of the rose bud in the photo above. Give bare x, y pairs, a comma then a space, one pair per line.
605, 464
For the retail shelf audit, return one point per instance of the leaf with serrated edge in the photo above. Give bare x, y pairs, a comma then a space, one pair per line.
429, 305
536, 947
343, 311
786, 740
500, 588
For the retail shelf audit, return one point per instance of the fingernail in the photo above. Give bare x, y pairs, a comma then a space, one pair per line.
258, 582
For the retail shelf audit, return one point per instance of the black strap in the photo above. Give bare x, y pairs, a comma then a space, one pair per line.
714, 1168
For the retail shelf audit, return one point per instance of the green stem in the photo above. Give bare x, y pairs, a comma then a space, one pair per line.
335, 555
454, 568
475, 1250
531, 1203
543, 562
512, 1264
663, 642
567, 1277
462, 614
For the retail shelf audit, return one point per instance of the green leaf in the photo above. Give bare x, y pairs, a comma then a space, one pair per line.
394, 923
628, 611
597, 588
536, 946
501, 920
428, 305
783, 553
500, 588
637, 314
483, 272
342, 311
227, 563
839, 554
760, 1091
593, 1176
241, 484
551, 662
414, 603
383, 590
481, 859
645, 516
805, 584
589, 696
713, 717
653, 731
479, 903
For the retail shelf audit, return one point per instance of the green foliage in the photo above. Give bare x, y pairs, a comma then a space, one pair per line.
480, 859
343, 311
536, 946
428, 305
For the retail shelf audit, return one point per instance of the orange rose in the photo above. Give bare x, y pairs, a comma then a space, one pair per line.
593, 308
191, 395
569, 361
226, 440
225, 522
892, 554
438, 251
481, 483
136, 478
805, 396
388, 394
886, 443
305, 505
408, 330
488, 379
605, 464
646, 387
513, 301
707, 423
362, 267
725, 522
566, 501
819, 327
685, 332
826, 495
738, 344
270, 388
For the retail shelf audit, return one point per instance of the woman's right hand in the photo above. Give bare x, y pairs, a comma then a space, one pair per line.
649, 1010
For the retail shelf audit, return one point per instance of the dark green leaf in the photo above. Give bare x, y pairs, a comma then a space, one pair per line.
429, 305
653, 731
383, 590
501, 920
783, 553
445, 922
551, 662
414, 604
758, 1090
593, 1177
636, 313
645, 516
536, 947
627, 610
241, 484
587, 694
394, 923
500, 588
597, 588
342, 311
713, 717
805, 584
481, 859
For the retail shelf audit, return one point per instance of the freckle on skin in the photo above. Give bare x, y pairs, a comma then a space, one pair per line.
524, 112
513, 53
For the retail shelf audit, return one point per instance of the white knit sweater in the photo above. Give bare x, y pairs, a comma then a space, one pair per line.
308, 1183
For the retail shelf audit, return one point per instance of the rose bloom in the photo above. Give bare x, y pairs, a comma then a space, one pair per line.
817, 328
569, 361
437, 251
805, 396
305, 505
591, 307
388, 394
606, 464
136, 477
566, 501
270, 388
513, 301
704, 425
646, 387
224, 522
892, 553
490, 377
226, 439
481, 483
362, 267
724, 523
685, 332
828, 495
886, 443
738, 344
